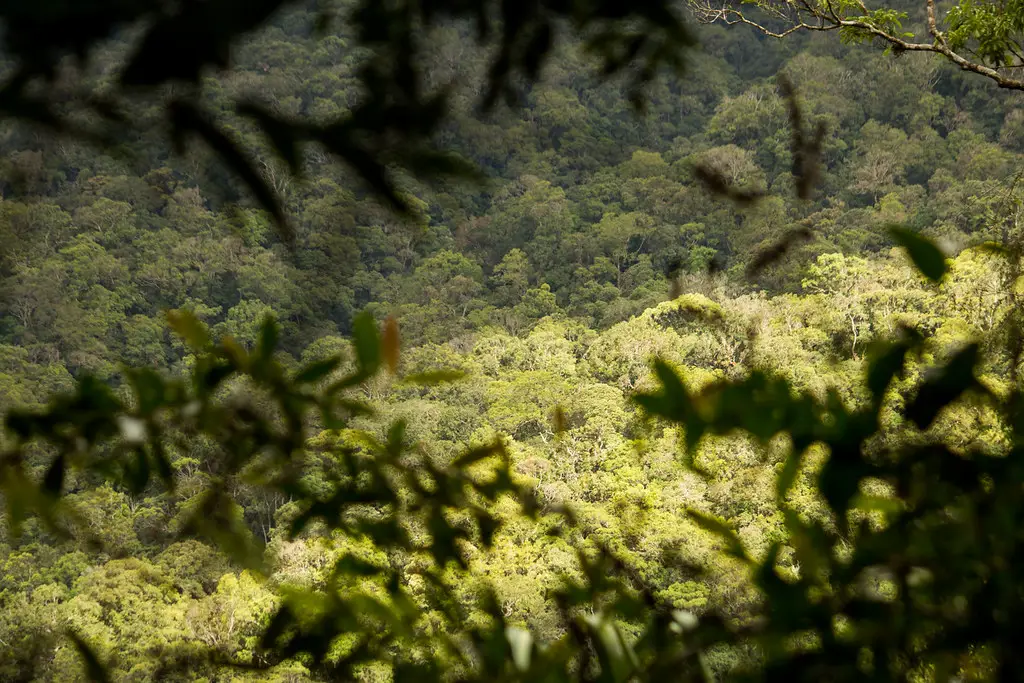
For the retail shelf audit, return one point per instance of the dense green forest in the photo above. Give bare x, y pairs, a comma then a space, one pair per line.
545, 288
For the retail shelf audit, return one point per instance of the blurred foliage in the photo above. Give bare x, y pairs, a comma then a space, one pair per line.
393, 125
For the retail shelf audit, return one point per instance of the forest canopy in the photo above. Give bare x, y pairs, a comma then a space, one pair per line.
711, 374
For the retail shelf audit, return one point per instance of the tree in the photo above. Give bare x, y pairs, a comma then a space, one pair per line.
511, 278
840, 279
881, 160
985, 38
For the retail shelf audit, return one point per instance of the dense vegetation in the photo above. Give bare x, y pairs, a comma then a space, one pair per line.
591, 248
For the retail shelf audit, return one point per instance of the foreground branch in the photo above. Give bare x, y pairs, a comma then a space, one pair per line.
803, 15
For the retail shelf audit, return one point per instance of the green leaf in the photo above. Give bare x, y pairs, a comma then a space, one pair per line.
520, 643
149, 389
314, 372
209, 376
559, 421
488, 525
945, 387
928, 258
842, 473
391, 343
366, 339
434, 377
475, 455
618, 661
674, 403
186, 117
53, 482
787, 476
94, 669
267, 343
719, 528
350, 565
137, 471
163, 464
889, 363
282, 134
187, 326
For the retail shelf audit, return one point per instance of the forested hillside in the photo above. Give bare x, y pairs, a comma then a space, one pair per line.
590, 247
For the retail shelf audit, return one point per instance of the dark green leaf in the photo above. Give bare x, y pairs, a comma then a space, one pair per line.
314, 372
163, 464
790, 469
928, 258
349, 565
187, 326
476, 455
188, 118
268, 338
884, 367
945, 387
366, 339
282, 134
94, 669
434, 377
617, 659
719, 528
488, 525
149, 389
53, 482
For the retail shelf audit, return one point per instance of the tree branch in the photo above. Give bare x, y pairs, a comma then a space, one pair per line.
826, 19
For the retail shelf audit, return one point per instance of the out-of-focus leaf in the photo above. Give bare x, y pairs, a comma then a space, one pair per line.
787, 477
434, 377
367, 343
715, 182
774, 253
945, 387
150, 389
163, 464
884, 368
188, 118
559, 422
617, 659
805, 150
994, 248
349, 565
268, 338
314, 372
475, 455
238, 356
391, 343
94, 669
488, 525
520, 643
888, 362
137, 471
53, 481
282, 134
928, 258
187, 326
674, 403
720, 529
182, 43
841, 475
